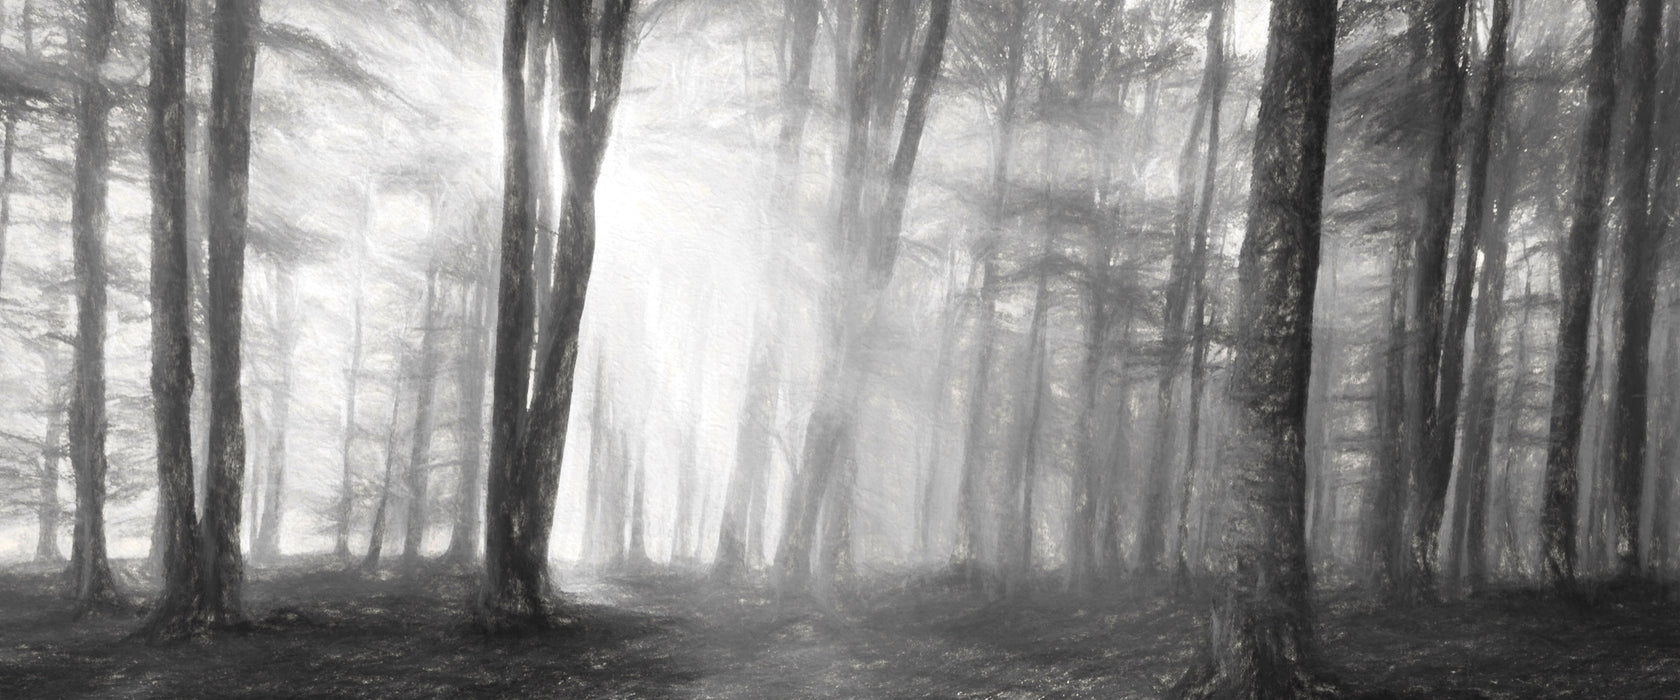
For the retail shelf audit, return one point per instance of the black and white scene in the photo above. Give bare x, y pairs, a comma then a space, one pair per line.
839, 349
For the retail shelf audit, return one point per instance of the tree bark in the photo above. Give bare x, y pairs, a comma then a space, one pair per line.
529, 441
90, 571
1577, 267
513, 332
177, 612
1261, 643
1630, 400
232, 74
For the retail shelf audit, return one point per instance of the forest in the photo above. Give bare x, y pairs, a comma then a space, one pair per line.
839, 348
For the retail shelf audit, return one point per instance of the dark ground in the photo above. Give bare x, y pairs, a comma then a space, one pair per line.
339, 634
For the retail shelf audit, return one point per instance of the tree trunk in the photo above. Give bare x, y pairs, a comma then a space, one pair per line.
513, 331
1470, 514
469, 371
529, 441
90, 572
1215, 77
381, 512
1576, 267
352, 379
1431, 423
984, 253
867, 242
1630, 405
267, 548
1386, 520
177, 612
47, 510
232, 73
420, 445
1261, 640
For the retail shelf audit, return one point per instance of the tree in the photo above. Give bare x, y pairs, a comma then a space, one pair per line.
1261, 641
90, 572
1435, 354
866, 244
178, 608
266, 547
233, 71
1577, 268
528, 436
469, 395
1630, 402
1471, 514
414, 530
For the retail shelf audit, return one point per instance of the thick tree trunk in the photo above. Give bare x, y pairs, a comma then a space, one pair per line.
420, 445
1470, 513
1630, 405
1261, 640
529, 441
513, 331
232, 74
1576, 268
90, 572
177, 612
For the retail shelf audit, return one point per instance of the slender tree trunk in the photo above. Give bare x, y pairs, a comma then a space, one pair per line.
177, 612
469, 370
1261, 643
420, 446
267, 547
1576, 269
1215, 76
47, 511
752, 457
352, 380
1384, 538
91, 573
1320, 406
1431, 423
985, 251
868, 242
1470, 515
232, 74
1630, 405
636, 472
381, 512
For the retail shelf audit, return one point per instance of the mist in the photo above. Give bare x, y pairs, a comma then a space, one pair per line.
853, 348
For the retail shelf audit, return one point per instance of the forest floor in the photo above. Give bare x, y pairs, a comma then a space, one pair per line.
338, 634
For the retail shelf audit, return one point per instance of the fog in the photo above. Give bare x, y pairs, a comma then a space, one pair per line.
1221, 310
